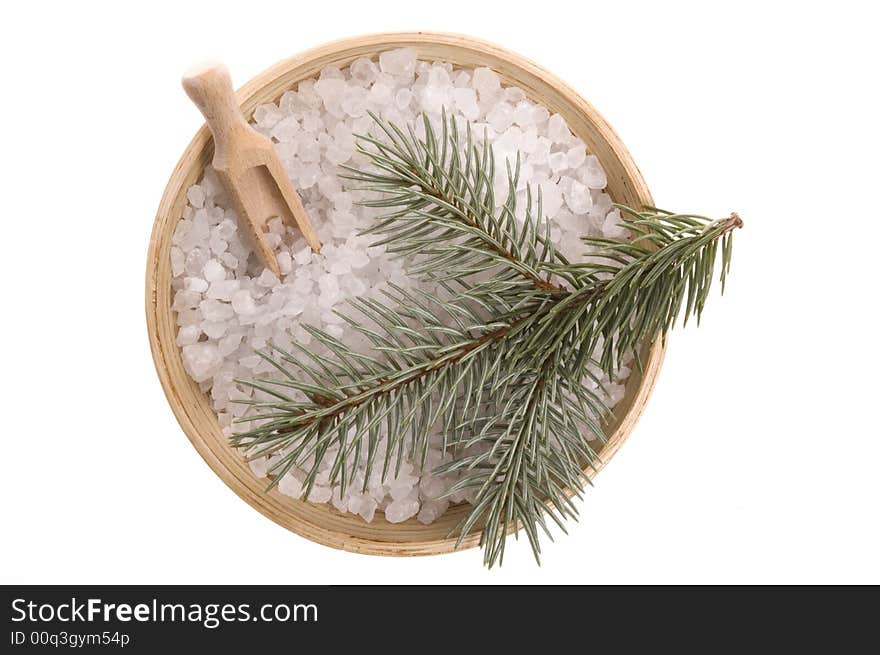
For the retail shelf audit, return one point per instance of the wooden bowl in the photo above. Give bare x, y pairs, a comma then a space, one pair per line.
322, 522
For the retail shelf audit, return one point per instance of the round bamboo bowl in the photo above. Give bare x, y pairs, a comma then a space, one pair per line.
321, 522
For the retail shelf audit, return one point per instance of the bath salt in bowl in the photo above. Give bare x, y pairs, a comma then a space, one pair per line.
212, 308
231, 310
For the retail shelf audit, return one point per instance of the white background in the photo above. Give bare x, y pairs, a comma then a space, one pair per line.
757, 458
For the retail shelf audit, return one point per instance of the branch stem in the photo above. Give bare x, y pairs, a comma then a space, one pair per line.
384, 386
436, 193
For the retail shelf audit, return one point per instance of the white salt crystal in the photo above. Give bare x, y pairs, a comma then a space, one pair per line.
311, 122
551, 198
308, 149
541, 151
196, 284
186, 299
577, 156
466, 103
251, 361
431, 510
615, 392
486, 82
501, 116
178, 261
403, 98
214, 310
285, 264
295, 306
601, 203
401, 510
213, 271
380, 95
267, 115
403, 489
285, 129
593, 175
529, 140
558, 161
211, 184
302, 285
367, 509
343, 137
341, 503
461, 79
557, 129
223, 289
275, 225
198, 232
289, 485
329, 288
218, 245
276, 301
400, 62
513, 94
259, 467
331, 92
196, 196
439, 76
331, 73
364, 70
267, 278
229, 260
201, 360
243, 302
287, 152
328, 184
214, 330
612, 227
229, 344
541, 115
569, 222
355, 286
309, 176
524, 114
290, 103
339, 266
358, 259
187, 335
226, 229
320, 494
432, 486
354, 102
434, 98
303, 256
578, 198
336, 155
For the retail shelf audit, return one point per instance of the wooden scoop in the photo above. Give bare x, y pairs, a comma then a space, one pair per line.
246, 162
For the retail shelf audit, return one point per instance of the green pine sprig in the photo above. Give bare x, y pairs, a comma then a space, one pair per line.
503, 360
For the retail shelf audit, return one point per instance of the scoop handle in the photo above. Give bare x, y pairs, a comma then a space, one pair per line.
209, 86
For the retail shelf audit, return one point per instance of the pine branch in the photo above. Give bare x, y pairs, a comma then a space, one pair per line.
498, 363
632, 292
443, 193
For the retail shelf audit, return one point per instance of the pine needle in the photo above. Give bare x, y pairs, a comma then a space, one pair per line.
502, 362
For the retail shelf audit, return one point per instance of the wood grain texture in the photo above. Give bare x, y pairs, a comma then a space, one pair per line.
246, 163
322, 523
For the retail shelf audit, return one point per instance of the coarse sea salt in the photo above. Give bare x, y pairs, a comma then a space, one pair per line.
229, 307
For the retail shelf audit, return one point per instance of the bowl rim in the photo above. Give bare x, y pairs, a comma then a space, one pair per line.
162, 350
